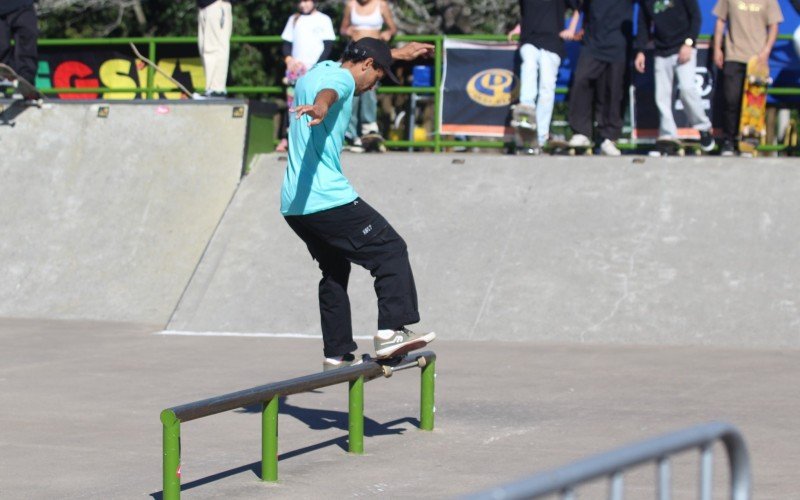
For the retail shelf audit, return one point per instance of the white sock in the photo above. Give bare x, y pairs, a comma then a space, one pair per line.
335, 360
385, 334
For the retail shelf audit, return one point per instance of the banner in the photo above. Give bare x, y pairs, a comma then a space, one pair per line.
116, 67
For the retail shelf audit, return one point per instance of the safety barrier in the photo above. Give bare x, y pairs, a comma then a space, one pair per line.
268, 395
611, 464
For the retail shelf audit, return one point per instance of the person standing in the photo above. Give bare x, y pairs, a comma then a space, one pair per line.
214, 28
362, 19
307, 38
674, 26
600, 72
19, 23
337, 226
541, 49
752, 28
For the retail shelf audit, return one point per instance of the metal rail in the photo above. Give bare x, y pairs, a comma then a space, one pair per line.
268, 395
612, 464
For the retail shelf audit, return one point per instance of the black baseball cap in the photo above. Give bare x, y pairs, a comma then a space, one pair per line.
378, 50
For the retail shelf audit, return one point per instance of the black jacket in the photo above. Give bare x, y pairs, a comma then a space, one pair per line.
7, 6
671, 22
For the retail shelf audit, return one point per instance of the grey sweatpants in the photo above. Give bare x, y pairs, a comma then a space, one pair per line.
666, 68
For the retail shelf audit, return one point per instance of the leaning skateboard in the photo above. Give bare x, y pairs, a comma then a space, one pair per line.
676, 147
523, 121
752, 124
373, 143
25, 88
556, 147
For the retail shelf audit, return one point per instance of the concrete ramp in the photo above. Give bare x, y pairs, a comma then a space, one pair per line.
597, 250
107, 207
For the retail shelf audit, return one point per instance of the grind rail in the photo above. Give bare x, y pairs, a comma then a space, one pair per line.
563, 481
268, 395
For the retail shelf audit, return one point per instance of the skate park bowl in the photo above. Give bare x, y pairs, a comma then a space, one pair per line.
580, 303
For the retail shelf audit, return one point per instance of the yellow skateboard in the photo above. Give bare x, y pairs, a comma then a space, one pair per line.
752, 124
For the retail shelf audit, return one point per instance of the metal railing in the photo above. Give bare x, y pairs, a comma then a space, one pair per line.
612, 464
268, 396
437, 142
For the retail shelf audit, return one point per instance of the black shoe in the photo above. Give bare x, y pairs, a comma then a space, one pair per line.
727, 149
706, 141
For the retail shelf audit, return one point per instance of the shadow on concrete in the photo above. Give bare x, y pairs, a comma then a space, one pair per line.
315, 419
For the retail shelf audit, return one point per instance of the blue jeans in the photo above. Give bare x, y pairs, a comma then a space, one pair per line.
365, 111
538, 74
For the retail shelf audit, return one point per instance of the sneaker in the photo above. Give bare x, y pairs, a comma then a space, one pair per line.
356, 146
401, 342
348, 359
706, 141
216, 94
608, 148
727, 149
580, 140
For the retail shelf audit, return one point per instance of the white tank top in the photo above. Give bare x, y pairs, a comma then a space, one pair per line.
372, 21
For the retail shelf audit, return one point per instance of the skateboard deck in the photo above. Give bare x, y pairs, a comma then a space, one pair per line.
676, 147
752, 123
27, 89
523, 121
555, 147
373, 143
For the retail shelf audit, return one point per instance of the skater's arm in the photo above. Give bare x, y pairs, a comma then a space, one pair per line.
516, 31
388, 19
719, 32
642, 29
695, 19
345, 28
319, 110
327, 47
772, 35
412, 50
572, 27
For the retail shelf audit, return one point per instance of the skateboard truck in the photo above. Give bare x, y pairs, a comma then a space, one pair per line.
396, 364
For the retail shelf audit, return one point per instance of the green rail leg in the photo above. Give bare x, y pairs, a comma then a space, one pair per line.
172, 456
356, 416
269, 440
426, 401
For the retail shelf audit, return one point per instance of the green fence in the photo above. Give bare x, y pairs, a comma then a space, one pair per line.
150, 90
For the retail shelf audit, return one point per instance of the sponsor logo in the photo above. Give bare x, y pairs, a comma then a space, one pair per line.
493, 87
396, 340
366, 230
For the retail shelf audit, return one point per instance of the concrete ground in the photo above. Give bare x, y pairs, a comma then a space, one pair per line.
80, 401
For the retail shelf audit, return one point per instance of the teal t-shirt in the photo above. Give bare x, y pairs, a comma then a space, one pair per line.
314, 180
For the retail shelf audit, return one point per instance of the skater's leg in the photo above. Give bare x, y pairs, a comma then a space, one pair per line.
664, 68
334, 303
690, 94
549, 63
529, 74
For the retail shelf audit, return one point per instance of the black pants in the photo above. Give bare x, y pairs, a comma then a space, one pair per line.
21, 26
357, 233
605, 81
733, 74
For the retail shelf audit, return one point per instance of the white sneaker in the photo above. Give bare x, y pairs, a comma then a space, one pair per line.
608, 148
580, 140
401, 342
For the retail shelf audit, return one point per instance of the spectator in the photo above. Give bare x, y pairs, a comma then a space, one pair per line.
600, 72
366, 18
307, 38
18, 22
674, 26
752, 28
214, 28
541, 39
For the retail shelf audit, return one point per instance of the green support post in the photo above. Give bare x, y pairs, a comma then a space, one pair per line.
269, 440
426, 401
151, 73
437, 112
171, 455
356, 416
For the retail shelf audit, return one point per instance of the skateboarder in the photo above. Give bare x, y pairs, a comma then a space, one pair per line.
18, 22
674, 26
541, 49
338, 227
600, 74
752, 28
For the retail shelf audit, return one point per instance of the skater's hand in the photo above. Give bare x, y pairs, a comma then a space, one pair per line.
317, 112
638, 63
719, 57
413, 50
763, 59
684, 54
567, 34
516, 31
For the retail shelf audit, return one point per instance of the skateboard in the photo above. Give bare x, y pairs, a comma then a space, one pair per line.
555, 147
27, 89
163, 73
676, 147
373, 143
752, 124
523, 121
